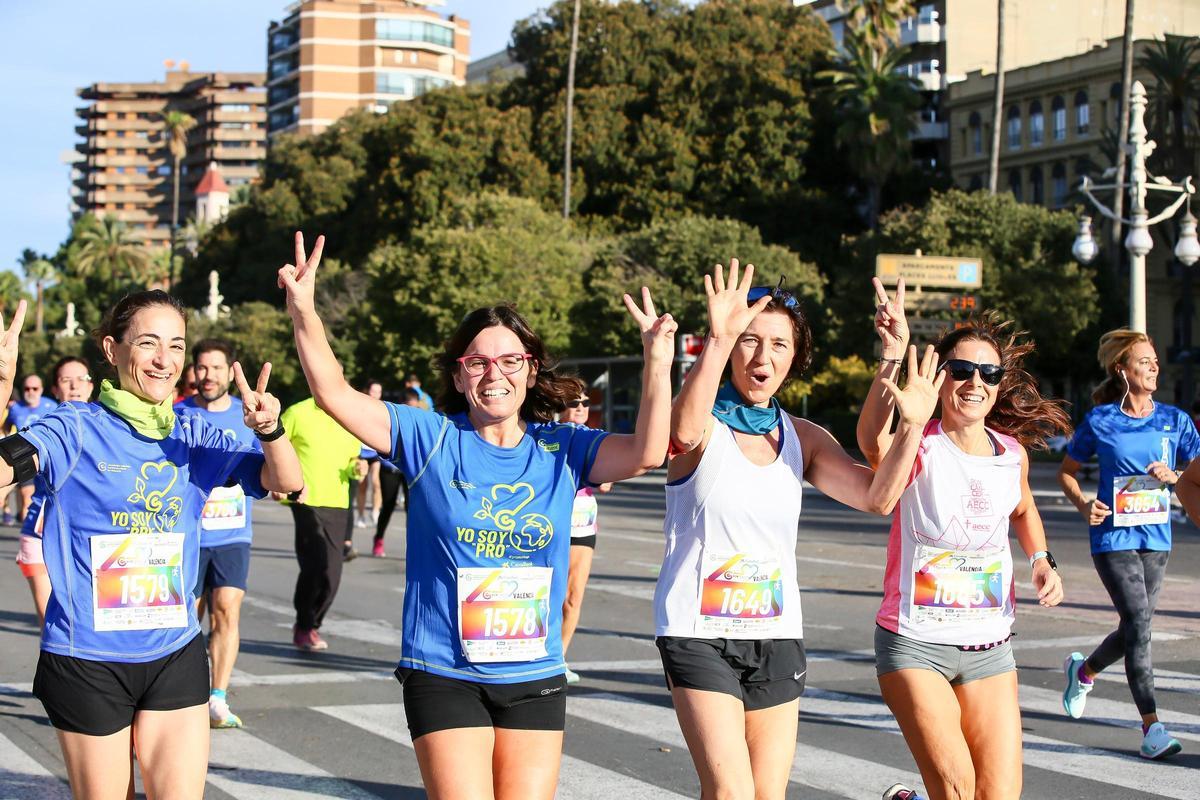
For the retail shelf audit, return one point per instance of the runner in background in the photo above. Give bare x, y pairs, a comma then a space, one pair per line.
413, 382
225, 526
1139, 444
943, 653
727, 604
371, 480
70, 381
584, 527
392, 483
30, 406
187, 384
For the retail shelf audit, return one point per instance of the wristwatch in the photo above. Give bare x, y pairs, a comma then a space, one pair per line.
1046, 555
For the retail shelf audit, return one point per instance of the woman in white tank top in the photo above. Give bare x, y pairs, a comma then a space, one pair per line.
942, 647
727, 605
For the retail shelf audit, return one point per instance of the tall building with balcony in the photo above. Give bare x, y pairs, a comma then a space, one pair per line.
124, 166
330, 57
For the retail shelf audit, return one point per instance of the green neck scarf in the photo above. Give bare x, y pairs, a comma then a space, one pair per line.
155, 421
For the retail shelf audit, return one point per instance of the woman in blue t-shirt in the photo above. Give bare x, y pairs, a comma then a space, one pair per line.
491, 485
125, 481
1139, 444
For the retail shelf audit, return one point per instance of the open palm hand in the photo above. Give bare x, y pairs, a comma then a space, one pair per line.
917, 401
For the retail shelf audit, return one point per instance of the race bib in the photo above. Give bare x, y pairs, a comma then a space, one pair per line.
952, 586
137, 582
224, 510
740, 596
503, 612
583, 516
1140, 500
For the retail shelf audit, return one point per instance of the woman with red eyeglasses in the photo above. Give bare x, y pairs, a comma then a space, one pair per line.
492, 481
942, 650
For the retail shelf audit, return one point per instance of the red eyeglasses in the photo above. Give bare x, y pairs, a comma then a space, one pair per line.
476, 365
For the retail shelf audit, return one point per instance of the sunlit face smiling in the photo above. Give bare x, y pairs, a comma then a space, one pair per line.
150, 355
73, 383
969, 400
494, 396
762, 356
1141, 368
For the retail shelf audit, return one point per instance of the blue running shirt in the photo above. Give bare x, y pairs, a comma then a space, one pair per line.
1124, 446
20, 415
489, 538
226, 515
126, 509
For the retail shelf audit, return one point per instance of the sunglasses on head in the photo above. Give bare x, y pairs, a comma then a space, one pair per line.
961, 370
777, 292
579, 403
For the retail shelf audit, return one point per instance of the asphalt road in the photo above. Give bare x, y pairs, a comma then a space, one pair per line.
332, 725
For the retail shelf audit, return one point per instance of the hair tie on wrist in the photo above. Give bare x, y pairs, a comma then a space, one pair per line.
272, 436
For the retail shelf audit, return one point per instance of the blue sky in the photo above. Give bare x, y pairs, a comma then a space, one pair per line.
52, 48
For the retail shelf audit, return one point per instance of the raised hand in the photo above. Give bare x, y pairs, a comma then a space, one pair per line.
300, 279
728, 314
890, 322
917, 401
658, 332
260, 408
8, 345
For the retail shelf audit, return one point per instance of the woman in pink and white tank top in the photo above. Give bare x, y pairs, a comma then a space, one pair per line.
942, 648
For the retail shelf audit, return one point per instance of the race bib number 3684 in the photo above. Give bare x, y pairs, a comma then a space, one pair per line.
137, 581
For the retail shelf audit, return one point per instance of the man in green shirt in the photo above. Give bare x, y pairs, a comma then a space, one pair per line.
329, 459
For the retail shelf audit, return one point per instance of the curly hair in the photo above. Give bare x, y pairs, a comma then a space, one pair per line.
550, 391
1020, 410
1115, 347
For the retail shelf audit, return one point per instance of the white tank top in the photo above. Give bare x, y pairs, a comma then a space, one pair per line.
729, 568
949, 577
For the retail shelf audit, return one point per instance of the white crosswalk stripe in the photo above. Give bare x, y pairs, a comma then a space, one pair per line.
22, 777
247, 768
1110, 712
577, 780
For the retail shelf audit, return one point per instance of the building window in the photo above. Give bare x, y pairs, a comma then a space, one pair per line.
235, 107
142, 170
1014, 128
407, 30
163, 170
1058, 185
1014, 183
1114, 94
1084, 167
1037, 124
1058, 116
1037, 186
1083, 113
976, 126
976, 183
283, 117
406, 84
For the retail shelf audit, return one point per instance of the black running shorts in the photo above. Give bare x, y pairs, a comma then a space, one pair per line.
101, 697
760, 672
435, 703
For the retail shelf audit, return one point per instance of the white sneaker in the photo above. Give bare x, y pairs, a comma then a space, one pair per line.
1157, 743
219, 715
572, 677
360, 521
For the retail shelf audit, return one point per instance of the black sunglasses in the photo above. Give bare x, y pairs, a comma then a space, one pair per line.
785, 297
579, 403
961, 370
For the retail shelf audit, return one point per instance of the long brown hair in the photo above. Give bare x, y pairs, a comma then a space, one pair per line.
1112, 354
1020, 410
550, 391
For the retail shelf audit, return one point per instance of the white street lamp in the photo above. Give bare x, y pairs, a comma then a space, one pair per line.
1138, 242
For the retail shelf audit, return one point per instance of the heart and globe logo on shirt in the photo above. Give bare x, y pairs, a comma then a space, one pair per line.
503, 507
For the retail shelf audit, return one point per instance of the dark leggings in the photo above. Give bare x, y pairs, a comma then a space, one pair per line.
391, 483
1132, 578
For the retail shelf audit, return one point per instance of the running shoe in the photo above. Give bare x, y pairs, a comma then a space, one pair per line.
899, 791
9, 519
572, 677
360, 520
219, 715
349, 553
1075, 695
1157, 743
377, 549
308, 639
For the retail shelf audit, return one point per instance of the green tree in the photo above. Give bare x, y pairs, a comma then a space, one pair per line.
879, 21
40, 272
11, 291
1174, 61
175, 126
107, 250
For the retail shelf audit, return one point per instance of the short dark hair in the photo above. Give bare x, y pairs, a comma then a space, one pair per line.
118, 318
213, 346
29, 375
62, 362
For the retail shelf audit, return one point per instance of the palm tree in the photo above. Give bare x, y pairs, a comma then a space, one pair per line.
570, 111
176, 125
879, 21
40, 272
109, 251
10, 290
876, 107
1175, 65
997, 102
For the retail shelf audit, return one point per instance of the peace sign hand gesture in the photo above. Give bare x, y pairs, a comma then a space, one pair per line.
890, 322
300, 279
658, 332
260, 408
728, 314
917, 401
8, 345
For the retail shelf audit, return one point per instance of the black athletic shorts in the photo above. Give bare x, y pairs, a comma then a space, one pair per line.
760, 672
584, 541
101, 697
436, 703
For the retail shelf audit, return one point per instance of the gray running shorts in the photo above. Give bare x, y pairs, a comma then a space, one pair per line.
893, 652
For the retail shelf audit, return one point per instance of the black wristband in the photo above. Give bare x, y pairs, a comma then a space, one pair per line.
295, 496
272, 436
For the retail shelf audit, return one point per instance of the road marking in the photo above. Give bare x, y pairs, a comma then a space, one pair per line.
1070, 642
373, 631
16, 689
577, 779
240, 679
636, 591
836, 773
1115, 769
248, 768
23, 777
646, 665
1164, 679
834, 562
1110, 712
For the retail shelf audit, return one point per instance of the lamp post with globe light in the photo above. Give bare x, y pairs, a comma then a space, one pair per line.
1138, 242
